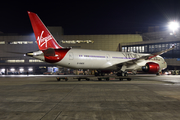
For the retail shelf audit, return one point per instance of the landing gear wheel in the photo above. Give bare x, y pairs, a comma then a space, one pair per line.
122, 73
58, 79
118, 74
96, 74
66, 79
99, 79
79, 79
125, 74
102, 74
99, 74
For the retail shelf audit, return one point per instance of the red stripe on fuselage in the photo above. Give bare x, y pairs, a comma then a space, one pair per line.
59, 55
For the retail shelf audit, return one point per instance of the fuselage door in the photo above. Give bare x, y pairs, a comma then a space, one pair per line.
107, 57
71, 57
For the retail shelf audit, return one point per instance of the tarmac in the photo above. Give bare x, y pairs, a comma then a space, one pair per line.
145, 97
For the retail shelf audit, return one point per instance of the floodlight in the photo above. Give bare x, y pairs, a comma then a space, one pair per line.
3, 70
21, 69
30, 69
173, 25
12, 69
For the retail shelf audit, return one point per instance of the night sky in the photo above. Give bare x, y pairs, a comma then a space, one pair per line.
90, 17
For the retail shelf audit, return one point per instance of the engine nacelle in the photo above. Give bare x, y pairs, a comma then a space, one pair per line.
151, 67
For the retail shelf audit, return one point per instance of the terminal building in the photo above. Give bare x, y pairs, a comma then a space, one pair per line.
13, 48
157, 41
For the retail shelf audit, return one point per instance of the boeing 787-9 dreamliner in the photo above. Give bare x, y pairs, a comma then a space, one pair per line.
50, 51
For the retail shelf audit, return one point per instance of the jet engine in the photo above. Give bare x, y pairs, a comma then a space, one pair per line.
151, 67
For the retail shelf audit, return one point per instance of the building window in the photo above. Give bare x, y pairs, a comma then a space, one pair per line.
123, 49
167, 46
129, 49
155, 48
21, 42
159, 49
76, 41
145, 48
163, 46
142, 49
2, 42
35, 60
152, 48
14, 61
136, 49
177, 46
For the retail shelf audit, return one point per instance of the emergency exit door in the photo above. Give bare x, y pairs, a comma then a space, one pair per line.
71, 57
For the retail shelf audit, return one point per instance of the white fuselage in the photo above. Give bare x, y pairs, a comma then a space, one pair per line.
106, 60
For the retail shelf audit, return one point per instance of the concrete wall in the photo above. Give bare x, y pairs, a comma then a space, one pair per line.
101, 42
22, 48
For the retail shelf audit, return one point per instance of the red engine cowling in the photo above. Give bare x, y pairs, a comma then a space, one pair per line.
151, 67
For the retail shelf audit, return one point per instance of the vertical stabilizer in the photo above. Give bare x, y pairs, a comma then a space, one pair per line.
44, 38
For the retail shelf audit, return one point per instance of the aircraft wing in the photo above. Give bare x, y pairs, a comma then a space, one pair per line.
146, 57
159, 53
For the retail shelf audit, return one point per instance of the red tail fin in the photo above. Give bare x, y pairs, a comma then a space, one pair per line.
43, 37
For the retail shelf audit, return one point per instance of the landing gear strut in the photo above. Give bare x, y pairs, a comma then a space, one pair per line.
134, 72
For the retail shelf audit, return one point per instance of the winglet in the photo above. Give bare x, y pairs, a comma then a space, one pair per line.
44, 38
172, 46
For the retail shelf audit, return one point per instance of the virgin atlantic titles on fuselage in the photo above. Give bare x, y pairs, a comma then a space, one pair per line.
51, 52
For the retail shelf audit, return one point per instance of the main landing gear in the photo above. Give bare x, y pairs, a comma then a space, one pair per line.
99, 73
159, 73
122, 73
62, 78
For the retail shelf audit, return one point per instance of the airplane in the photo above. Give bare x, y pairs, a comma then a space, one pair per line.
50, 51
